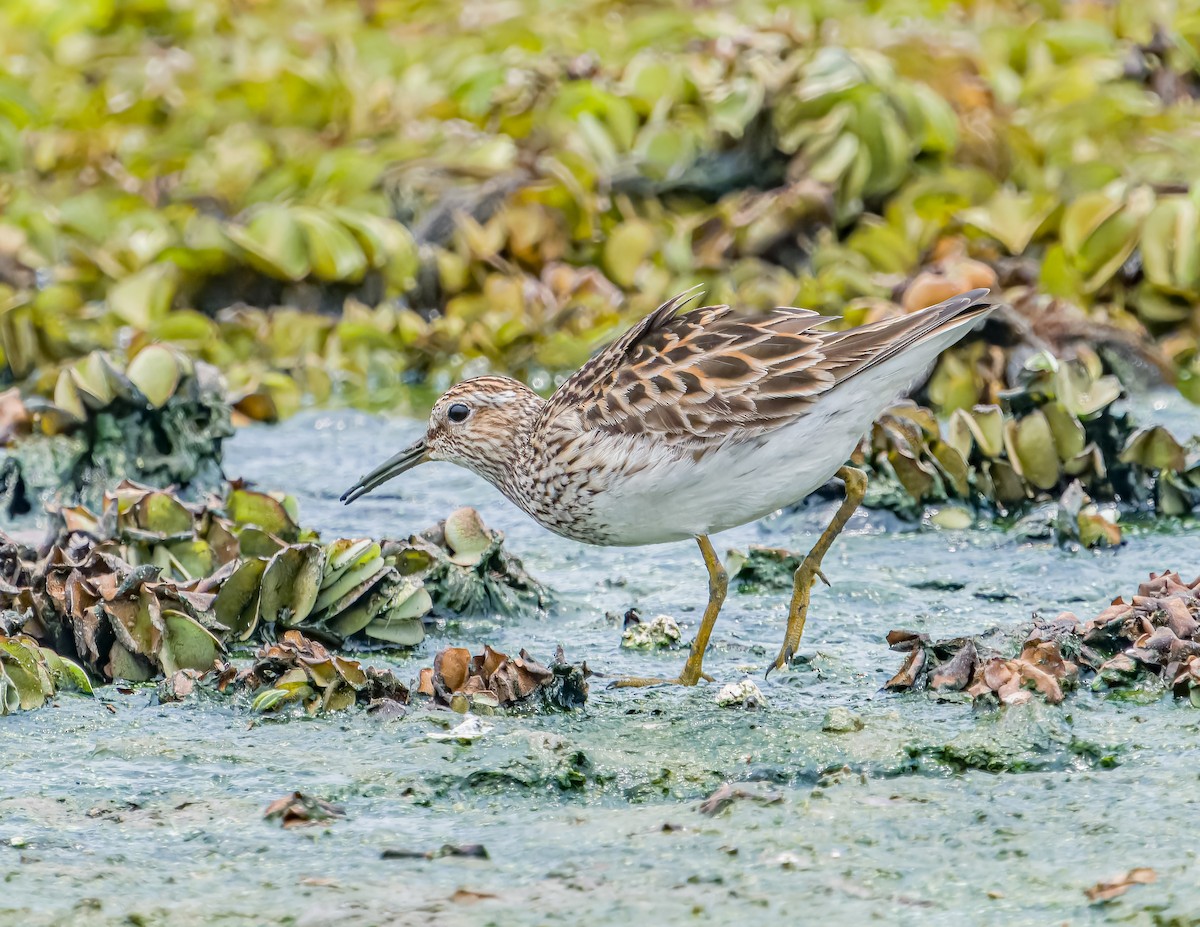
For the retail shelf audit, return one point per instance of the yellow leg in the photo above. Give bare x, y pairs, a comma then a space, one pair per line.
718, 585
808, 571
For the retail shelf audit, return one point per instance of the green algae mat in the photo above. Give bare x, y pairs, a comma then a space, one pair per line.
836, 800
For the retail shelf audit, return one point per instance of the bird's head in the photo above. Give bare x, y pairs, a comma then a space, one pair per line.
478, 424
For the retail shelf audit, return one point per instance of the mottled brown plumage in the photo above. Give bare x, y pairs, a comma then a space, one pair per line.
689, 424
711, 374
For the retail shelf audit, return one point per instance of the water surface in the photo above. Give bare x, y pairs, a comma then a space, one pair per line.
121, 811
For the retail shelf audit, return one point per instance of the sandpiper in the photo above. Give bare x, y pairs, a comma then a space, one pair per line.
688, 425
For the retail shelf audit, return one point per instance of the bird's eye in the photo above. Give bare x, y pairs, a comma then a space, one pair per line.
458, 413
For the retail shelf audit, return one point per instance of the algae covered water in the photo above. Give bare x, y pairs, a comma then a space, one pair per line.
908, 809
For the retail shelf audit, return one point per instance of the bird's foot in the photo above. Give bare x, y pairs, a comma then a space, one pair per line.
782, 661
684, 679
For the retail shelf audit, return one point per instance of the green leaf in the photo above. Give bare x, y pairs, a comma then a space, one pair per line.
143, 299
1170, 246
1011, 218
333, 253
271, 698
186, 644
1032, 451
627, 248
291, 584
247, 507
156, 372
236, 604
274, 243
1154, 448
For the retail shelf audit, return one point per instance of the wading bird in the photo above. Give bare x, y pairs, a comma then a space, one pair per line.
688, 425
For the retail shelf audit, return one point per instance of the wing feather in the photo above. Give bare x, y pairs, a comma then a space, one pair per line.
700, 378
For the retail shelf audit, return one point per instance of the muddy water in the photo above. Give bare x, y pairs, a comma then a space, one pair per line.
120, 811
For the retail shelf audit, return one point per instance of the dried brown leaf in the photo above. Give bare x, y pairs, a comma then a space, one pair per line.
956, 672
906, 678
300, 810
1119, 885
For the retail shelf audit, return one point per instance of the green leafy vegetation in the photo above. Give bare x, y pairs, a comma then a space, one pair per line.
1049, 448
153, 587
344, 202
30, 674
161, 419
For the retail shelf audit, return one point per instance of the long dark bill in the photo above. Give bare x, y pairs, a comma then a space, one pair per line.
407, 459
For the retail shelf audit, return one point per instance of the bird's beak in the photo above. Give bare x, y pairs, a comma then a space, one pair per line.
415, 453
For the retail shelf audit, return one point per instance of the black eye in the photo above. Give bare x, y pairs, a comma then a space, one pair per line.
458, 413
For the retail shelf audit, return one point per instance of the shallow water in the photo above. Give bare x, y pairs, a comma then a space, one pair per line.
119, 811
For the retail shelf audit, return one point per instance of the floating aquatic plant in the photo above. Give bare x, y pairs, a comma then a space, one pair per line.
151, 586
1057, 437
398, 208
31, 674
467, 570
296, 670
162, 417
490, 680
1150, 644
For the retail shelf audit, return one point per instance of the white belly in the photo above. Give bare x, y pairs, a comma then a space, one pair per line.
679, 498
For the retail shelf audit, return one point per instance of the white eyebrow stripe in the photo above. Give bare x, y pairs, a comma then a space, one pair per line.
496, 399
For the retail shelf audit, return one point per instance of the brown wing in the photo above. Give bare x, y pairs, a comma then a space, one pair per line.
695, 378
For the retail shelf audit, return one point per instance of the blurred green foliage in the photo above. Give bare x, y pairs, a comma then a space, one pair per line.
336, 200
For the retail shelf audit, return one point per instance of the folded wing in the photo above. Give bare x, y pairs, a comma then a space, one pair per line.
694, 379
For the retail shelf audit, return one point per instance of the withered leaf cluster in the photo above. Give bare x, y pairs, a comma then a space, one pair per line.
296, 670
119, 620
491, 679
961, 664
1156, 633
1155, 636
301, 810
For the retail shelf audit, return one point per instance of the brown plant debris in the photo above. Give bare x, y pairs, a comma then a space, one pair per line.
492, 679
120, 620
1156, 633
295, 671
728, 793
1119, 885
298, 670
1154, 636
300, 810
470, 896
